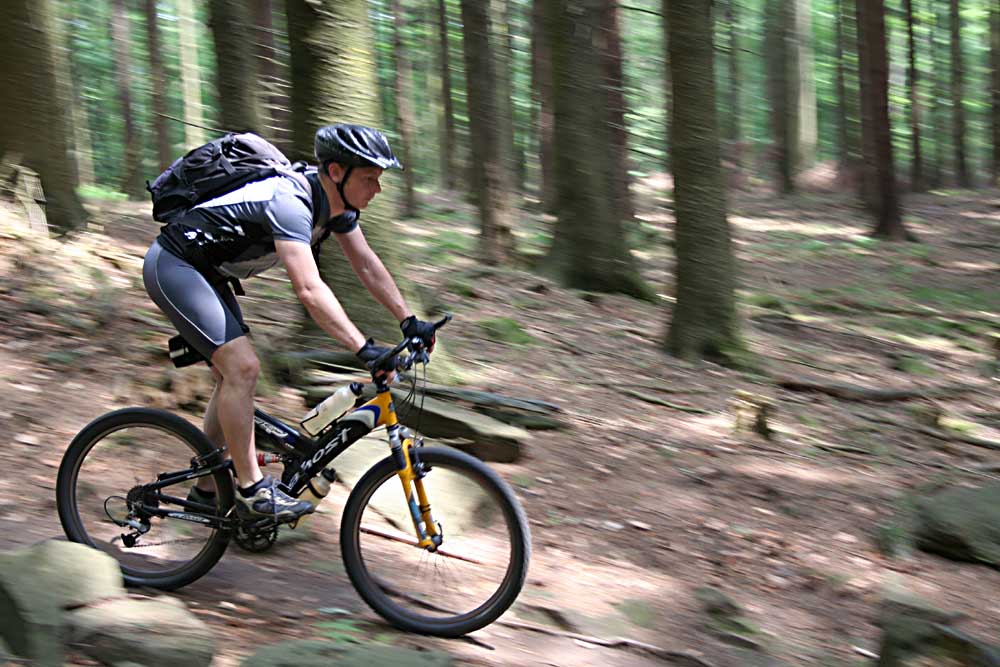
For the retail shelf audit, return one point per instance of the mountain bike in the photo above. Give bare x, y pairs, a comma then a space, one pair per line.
433, 540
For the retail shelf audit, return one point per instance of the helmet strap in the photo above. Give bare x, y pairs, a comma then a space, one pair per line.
340, 190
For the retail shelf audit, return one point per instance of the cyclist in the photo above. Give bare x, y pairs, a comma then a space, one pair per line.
191, 264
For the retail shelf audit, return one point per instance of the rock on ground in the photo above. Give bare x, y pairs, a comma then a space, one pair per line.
153, 632
962, 524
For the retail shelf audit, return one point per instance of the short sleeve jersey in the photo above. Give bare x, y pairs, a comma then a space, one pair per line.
234, 234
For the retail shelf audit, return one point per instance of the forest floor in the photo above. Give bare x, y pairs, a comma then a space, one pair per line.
634, 505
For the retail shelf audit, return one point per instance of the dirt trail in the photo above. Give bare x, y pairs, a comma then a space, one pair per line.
635, 505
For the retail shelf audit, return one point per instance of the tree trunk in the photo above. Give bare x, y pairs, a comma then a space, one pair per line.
805, 76
236, 69
502, 45
703, 323
495, 239
32, 119
879, 169
332, 43
940, 132
542, 75
65, 87
449, 172
615, 82
266, 57
164, 154
404, 113
782, 74
995, 89
843, 152
734, 132
668, 107
917, 183
588, 249
194, 133
957, 97
132, 183
83, 149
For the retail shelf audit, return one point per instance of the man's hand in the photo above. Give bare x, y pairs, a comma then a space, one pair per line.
370, 352
414, 328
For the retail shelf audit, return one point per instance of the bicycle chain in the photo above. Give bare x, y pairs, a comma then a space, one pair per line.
160, 544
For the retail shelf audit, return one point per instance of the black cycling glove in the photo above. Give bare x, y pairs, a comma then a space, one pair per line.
414, 328
370, 352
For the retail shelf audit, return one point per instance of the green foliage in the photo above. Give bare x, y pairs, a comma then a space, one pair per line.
505, 330
101, 192
342, 630
639, 612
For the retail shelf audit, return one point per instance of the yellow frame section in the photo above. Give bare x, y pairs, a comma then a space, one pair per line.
387, 418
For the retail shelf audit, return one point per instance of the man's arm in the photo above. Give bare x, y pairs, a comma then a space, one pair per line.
372, 273
314, 294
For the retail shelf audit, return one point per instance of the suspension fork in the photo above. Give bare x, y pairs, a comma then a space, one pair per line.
411, 474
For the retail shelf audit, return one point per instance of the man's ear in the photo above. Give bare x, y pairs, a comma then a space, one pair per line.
335, 171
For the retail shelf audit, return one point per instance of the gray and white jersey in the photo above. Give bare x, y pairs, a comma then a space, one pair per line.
234, 234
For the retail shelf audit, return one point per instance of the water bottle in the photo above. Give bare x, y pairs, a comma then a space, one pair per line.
317, 489
332, 407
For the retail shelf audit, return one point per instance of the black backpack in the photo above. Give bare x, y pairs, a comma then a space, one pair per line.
211, 170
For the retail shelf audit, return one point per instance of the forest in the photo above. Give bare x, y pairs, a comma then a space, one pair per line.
750, 244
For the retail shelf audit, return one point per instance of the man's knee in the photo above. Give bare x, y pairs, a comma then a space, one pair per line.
237, 363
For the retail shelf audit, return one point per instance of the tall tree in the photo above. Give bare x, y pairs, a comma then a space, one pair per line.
783, 77
449, 171
917, 183
995, 89
236, 68
133, 178
704, 322
164, 154
194, 133
805, 86
935, 36
668, 102
957, 96
734, 132
32, 123
588, 249
496, 241
615, 85
502, 44
61, 49
404, 112
542, 84
883, 198
331, 43
847, 112
265, 56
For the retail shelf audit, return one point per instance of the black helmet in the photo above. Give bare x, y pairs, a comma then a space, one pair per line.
354, 146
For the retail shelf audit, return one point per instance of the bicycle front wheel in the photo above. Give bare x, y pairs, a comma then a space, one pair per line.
105, 502
475, 574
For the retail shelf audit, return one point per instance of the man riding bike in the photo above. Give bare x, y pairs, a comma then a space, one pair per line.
189, 267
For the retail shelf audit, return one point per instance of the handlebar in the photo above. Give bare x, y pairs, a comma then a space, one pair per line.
407, 344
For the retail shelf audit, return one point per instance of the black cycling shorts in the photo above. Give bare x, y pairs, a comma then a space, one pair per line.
205, 313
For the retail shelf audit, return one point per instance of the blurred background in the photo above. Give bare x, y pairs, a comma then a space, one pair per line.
744, 252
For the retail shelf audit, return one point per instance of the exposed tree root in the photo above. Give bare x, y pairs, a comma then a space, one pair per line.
660, 401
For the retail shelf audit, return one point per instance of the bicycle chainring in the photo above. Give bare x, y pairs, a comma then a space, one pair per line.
255, 540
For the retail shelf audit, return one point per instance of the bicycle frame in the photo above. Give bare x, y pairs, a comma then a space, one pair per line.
312, 456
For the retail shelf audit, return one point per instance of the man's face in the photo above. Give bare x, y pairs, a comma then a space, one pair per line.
362, 185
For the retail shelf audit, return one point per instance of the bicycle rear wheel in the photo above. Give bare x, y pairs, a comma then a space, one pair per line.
475, 574
101, 489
